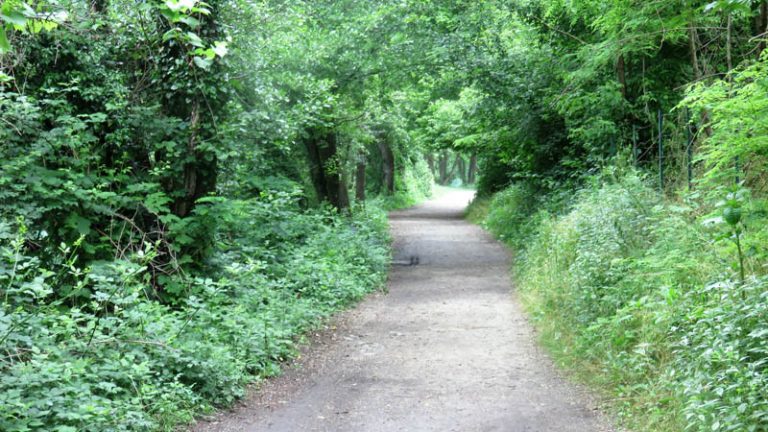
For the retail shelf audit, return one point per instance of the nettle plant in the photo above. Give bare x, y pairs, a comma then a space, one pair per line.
732, 215
730, 220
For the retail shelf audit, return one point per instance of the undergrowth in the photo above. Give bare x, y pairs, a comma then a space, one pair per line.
642, 298
89, 349
412, 187
478, 209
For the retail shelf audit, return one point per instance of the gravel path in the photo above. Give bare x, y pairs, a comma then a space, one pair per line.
447, 349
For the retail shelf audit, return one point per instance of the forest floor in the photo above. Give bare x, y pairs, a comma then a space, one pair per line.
448, 348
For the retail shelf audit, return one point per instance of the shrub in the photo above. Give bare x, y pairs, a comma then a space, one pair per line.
511, 214
644, 299
109, 357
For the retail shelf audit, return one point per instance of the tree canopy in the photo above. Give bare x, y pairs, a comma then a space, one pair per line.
147, 132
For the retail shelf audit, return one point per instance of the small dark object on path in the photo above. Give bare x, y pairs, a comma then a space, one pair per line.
412, 261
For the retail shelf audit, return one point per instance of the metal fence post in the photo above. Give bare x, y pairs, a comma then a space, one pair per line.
661, 150
689, 149
635, 152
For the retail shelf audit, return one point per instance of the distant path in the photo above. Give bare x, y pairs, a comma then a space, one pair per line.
448, 349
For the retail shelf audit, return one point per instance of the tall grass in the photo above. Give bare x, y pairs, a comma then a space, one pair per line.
639, 297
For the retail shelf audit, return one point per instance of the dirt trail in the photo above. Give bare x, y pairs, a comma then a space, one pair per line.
448, 349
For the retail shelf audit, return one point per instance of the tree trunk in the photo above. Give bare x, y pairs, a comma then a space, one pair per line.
342, 193
324, 168
728, 43
693, 38
388, 166
99, 6
443, 177
621, 75
462, 166
693, 49
99, 10
360, 179
198, 166
431, 163
761, 26
472, 170
454, 167
193, 166
200, 170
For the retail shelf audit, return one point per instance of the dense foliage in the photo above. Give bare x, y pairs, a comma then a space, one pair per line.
167, 227
644, 295
188, 185
638, 210
105, 356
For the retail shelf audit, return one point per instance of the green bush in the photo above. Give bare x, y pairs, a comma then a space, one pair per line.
642, 297
721, 357
109, 357
511, 214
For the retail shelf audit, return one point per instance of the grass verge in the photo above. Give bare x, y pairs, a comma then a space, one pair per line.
641, 298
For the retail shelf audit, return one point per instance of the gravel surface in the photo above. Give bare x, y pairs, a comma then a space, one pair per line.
447, 349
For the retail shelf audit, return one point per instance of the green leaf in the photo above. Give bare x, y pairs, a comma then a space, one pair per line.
14, 17
190, 21
79, 223
194, 40
187, 4
711, 6
220, 48
173, 5
202, 62
171, 34
157, 203
5, 46
171, 15
208, 53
